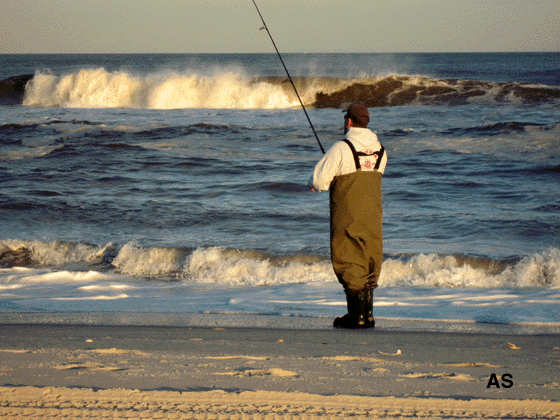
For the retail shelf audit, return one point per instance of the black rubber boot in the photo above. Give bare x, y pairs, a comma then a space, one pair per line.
368, 315
355, 318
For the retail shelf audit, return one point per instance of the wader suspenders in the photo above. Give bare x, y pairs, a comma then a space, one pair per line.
358, 154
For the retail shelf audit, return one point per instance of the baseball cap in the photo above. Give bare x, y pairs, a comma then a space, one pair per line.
358, 113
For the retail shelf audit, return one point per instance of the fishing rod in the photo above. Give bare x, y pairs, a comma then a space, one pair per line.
289, 77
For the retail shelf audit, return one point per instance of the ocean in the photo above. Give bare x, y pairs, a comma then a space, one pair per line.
136, 188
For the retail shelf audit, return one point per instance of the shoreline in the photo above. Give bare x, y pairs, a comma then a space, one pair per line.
245, 320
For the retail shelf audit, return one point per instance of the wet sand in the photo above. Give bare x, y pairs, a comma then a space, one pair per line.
52, 371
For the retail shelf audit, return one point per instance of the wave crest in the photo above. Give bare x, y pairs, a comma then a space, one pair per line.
99, 88
536, 270
236, 267
102, 89
416, 90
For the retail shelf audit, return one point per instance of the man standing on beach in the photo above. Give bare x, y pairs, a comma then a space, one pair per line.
352, 170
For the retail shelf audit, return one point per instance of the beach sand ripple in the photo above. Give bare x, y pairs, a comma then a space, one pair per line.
55, 402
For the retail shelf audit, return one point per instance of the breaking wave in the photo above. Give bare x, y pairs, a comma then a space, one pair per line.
98, 88
237, 267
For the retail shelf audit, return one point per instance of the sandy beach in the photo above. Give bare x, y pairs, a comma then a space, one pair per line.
161, 255
73, 371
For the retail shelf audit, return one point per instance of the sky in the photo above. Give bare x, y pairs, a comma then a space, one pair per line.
315, 26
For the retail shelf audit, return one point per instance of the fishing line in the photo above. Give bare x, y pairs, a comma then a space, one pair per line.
289, 77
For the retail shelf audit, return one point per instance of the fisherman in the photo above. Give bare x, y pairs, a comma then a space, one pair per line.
352, 170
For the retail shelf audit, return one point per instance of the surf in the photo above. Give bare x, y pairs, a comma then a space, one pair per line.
246, 267
103, 89
233, 89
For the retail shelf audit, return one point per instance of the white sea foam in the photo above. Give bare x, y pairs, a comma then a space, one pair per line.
448, 271
102, 89
98, 297
222, 280
230, 267
30, 153
235, 267
137, 261
119, 293
232, 88
65, 277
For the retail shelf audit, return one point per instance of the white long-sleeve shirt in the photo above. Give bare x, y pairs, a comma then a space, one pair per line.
339, 159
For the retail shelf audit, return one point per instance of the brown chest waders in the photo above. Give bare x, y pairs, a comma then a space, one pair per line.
357, 238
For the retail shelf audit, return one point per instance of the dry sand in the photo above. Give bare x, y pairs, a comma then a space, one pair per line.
70, 372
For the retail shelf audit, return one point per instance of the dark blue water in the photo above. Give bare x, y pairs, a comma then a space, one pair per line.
188, 151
